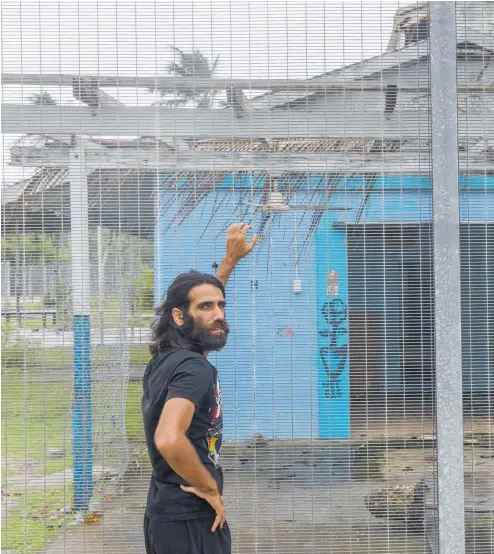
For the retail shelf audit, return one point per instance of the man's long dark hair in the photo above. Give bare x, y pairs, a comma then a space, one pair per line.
166, 333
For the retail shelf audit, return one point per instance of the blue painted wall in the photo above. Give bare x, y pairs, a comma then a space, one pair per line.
269, 368
333, 330
274, 372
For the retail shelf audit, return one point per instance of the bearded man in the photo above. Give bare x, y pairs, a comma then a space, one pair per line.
182, 412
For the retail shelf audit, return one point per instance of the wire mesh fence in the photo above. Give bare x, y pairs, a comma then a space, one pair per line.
477, 265
134, 135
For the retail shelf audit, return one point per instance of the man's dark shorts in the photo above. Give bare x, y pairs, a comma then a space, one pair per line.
191, 536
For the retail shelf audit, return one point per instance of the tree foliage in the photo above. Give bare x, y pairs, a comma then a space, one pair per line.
194, 64
144, 288
33, 248
42, 98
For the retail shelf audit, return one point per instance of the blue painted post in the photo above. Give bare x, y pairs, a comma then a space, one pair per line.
81, 416
333, 332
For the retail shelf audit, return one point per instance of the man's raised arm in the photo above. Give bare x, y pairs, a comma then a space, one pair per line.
237, 248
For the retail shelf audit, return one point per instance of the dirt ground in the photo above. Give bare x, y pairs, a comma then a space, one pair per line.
307, 497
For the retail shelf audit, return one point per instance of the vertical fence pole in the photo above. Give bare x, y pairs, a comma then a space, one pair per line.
81, 419
447, 278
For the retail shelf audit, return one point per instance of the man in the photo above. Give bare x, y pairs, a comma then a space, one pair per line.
182, 412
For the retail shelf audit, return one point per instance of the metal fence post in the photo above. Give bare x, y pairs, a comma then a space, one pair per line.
447, 278
82, 416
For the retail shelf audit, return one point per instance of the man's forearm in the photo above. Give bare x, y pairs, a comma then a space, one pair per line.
225, 270
183, 459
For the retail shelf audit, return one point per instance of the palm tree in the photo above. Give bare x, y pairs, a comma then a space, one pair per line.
194, 64
42, 98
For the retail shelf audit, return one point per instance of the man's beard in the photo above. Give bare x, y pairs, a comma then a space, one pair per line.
200, 337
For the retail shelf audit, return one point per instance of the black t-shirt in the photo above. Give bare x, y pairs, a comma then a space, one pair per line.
182, 373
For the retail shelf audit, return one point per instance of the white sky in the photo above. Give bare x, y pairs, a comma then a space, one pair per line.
259, 40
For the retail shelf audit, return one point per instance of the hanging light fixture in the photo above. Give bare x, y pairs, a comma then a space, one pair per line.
275, 202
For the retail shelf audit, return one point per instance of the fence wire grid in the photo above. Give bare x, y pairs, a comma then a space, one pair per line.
357, 381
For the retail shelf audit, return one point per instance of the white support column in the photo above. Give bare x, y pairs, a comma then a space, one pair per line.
79, 230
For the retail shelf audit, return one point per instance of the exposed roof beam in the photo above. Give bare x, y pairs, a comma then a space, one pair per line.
198, 123
317, 84
149, 160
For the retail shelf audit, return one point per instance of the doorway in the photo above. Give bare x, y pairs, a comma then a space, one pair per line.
390, 295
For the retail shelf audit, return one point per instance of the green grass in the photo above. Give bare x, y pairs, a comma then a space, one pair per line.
36, 520
28, 304
56, 466
35, 416
111, 313
143, 319
34, 322
139, 354
17, 357
111, 316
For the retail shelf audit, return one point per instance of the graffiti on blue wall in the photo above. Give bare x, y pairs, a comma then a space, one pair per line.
334, 357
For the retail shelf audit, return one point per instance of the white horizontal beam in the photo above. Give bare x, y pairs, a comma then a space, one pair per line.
187, 83
203, 123
144, 159
340, 80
